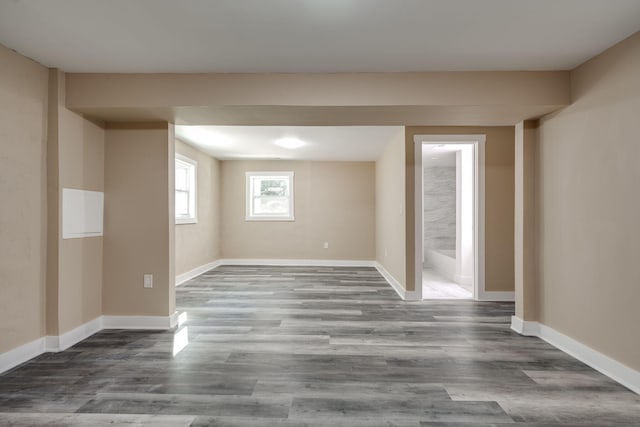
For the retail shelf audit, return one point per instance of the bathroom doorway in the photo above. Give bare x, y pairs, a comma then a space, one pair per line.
448, 180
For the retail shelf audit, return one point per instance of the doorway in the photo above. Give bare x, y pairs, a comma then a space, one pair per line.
449, 204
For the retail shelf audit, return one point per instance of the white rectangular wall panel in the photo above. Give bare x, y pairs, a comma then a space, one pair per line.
82, 213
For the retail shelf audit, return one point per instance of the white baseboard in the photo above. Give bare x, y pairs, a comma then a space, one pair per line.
181, 278
74, 336
400, 290
525, 327
140, 322
56, 343
295, 262
405, 295
496, 296
615, 370
12, 358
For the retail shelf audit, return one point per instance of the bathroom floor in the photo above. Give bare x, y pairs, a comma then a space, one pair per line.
435, 286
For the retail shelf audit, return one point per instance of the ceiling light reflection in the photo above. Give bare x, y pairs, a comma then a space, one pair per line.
202, 136
289, 143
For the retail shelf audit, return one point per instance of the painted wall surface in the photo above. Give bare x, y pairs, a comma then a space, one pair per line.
588, 210
439, 185
390, 206
23, 127
431, 98
526, 258
75, 159
499, 201
81, 160
334, 203
138, 220
199, 244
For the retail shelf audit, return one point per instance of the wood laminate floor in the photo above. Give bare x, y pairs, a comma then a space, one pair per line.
298, 346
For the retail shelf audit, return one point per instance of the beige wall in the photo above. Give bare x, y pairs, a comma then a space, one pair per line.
588, 211
443, 98
75, 159
199, 244
334, 202
55, 95
23, 126
390, 206
81, 160
525, 257
499, 201
139, 220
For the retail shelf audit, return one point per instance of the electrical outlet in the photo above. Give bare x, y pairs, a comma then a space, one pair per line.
148, 281
385, 251
326, 245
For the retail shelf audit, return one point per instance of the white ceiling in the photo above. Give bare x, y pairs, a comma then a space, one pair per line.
344, 143
314, 35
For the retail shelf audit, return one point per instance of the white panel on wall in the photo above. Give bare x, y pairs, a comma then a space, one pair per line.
82, 213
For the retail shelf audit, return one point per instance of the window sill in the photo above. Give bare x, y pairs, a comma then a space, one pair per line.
269, 219
184, 221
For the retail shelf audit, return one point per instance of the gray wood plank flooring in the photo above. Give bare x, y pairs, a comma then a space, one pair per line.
302, 346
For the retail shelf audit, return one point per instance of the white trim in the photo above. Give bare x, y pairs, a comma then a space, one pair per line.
496, 296
50, 343
418, 243
140, 322
56, 343
405, 295
301, 262
478, 142
517, 325
190, 219
525, 327
74, 336
184, 277
615, 370
391, 280
14, 357
249, 215
400, 290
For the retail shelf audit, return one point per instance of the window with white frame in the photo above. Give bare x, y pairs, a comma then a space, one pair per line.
269, 196
186, 193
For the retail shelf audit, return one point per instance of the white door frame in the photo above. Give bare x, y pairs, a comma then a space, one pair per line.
478, 142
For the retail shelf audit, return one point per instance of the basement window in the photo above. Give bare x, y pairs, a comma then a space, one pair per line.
269, 196
186, 170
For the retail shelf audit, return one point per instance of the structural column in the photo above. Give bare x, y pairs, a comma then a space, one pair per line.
526, 139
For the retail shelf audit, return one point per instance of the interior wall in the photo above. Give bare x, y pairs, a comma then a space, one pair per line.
422, 98
76, 292
526, 258
53, 225
499, 201
334, 203
588, 210
199, 244
389, 209
23, 131
139, 219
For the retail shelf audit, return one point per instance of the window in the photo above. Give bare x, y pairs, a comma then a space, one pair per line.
186, 194
269, 196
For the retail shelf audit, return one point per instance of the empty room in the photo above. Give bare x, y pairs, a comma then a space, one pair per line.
319, 213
